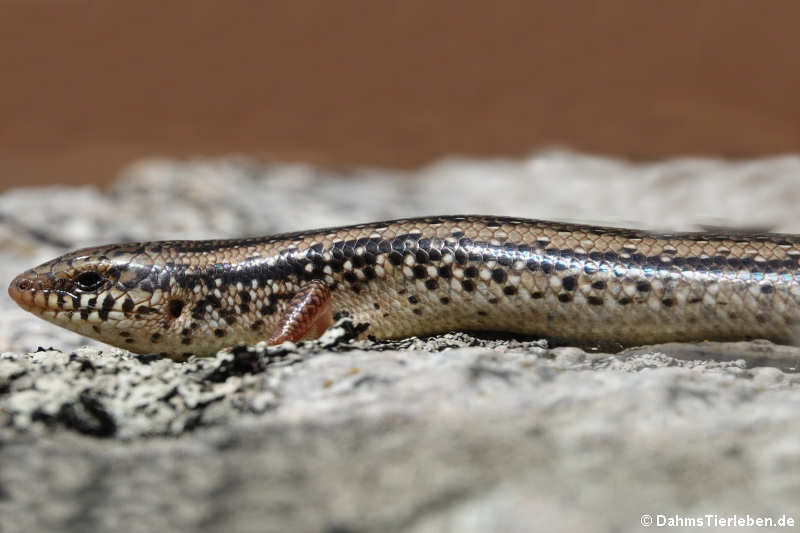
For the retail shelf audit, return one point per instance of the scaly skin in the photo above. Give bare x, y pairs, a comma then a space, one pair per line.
574, 283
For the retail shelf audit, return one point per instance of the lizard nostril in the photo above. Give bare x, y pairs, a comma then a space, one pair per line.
20, 289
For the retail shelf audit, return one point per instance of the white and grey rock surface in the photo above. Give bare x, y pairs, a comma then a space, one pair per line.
451, 433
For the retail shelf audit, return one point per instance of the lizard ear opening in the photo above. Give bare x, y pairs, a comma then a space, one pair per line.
175, 307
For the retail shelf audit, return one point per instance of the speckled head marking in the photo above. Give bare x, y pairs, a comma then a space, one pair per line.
426, 275
147, 298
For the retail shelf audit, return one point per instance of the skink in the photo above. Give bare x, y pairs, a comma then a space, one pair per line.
573, 283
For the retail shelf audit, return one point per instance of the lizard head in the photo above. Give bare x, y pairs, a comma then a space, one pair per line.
110, 293
169, 297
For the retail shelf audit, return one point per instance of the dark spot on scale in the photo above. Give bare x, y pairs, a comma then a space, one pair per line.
767, 289
103, 314
369, 273
564, 297
376, 305
267, 309
413, 300
468, 285
445, 272
594, 300
499, 275
155, 337
669, 302
336, 264
349, 277
95, 328
130, 341
175, 307
420, 272
643, 286
536, 295
493, 300
444, 300
396, 258
504, 260
431, 284
417, 311
127, 305
471, 272
124, 334
244, 297
92, 303
84, 314
762, 318
694, 300
624, 300
599, 285
186, 341
219, 332
569, 283
509, 290
229, 316
482, 313
258, 324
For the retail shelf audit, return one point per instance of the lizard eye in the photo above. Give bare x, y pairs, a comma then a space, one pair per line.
89, 280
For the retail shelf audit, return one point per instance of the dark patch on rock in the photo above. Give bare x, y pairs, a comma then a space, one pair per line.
87, 415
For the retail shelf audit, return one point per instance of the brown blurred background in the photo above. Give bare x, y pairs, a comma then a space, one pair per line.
87, 87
